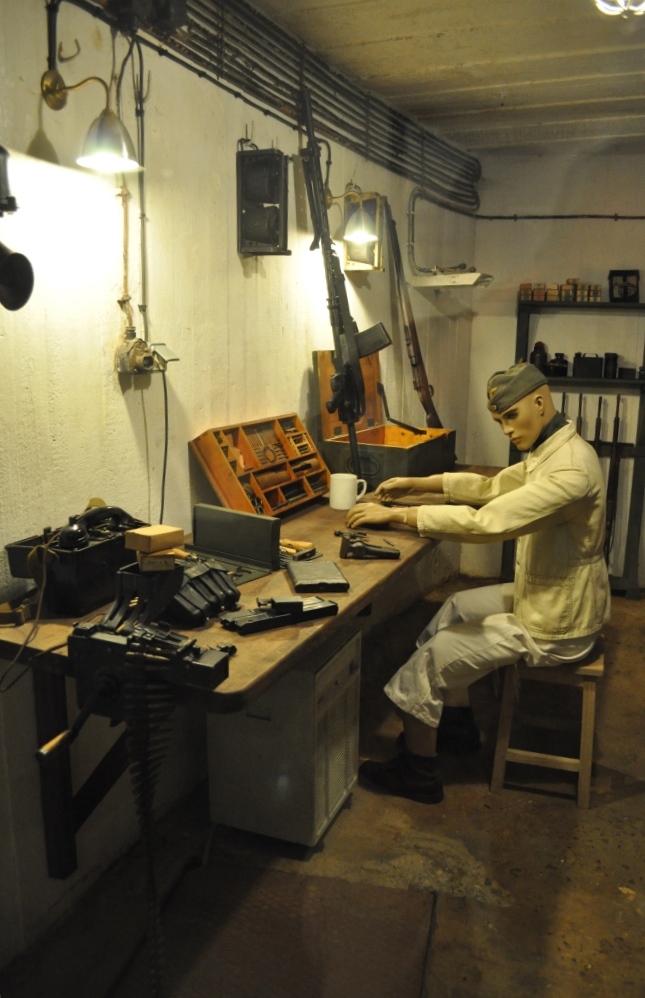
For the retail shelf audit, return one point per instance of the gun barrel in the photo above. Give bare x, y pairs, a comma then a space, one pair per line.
596, 439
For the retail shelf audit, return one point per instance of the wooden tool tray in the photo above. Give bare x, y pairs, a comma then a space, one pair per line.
265, 466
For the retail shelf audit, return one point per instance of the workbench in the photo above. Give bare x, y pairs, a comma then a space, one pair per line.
376, 587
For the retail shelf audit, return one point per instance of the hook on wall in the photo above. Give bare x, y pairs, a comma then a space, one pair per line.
68, 58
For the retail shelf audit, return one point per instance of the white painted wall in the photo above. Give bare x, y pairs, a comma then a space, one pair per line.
71, 429
555, 250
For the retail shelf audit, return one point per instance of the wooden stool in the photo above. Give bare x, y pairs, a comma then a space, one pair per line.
584, 675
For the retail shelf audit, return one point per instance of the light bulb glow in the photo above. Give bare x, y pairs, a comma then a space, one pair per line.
621, 8
360, 228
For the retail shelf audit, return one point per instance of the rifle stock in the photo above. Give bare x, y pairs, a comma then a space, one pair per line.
424, 390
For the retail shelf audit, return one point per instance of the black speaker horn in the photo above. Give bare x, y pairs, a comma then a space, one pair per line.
16, 279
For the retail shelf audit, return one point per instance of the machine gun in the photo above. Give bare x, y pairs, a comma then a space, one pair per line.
129, 668
347, 385
424, 390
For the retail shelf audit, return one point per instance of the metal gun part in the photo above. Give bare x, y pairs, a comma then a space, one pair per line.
360, 549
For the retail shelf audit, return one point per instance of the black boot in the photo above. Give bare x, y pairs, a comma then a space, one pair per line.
407, 775
457, 732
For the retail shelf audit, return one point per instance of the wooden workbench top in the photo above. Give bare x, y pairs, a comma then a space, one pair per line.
262, 658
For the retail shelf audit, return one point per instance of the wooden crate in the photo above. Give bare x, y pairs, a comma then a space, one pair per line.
266, 466
384, 449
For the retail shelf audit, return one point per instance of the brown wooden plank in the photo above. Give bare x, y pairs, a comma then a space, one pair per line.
526, 758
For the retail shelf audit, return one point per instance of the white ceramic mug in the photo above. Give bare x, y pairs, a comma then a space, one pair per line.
344, 490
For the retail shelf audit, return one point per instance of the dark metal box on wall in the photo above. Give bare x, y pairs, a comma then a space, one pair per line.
384, 449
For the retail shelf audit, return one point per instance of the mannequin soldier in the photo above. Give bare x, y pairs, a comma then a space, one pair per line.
553, 503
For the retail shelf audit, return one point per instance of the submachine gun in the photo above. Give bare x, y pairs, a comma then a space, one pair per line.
347, 386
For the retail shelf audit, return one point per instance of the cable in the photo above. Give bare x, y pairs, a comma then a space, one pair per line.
34, 627
165, 445
521, 218
139, 100
223, 39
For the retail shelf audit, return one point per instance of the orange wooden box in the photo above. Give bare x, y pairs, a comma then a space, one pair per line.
265, 466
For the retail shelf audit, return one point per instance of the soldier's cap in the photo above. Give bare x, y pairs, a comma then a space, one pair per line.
505, 388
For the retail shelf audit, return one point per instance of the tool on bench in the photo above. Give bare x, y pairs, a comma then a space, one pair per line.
354, 545
296, 549
278, 613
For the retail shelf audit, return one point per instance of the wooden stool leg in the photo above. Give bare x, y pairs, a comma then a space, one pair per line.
504, 730
586, 742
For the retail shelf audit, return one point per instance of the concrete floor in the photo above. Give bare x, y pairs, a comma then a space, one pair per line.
514, 894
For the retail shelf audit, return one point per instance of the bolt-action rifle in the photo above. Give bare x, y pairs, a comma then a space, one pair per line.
347, 386
612, 482
424, 390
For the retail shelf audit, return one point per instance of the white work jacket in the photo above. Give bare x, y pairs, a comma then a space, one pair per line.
553, 502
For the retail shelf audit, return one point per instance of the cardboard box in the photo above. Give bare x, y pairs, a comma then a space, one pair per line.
160, 561
155, 538
384, 449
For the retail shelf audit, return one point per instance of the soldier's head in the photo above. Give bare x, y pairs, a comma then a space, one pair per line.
519, 400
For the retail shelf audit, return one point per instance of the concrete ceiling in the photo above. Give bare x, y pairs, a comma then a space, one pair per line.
516, 75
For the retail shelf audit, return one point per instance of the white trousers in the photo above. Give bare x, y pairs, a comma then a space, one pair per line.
474, 633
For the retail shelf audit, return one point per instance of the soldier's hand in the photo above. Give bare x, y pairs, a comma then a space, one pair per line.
368, 514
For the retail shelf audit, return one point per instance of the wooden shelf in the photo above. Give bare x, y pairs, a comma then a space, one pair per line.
580, 306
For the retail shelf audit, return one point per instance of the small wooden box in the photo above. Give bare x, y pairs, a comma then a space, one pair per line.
265, 466
155, 538
385, 450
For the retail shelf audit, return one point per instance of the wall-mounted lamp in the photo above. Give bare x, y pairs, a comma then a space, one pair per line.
360, 222
262, 202
107, 148
362, 228
16, 273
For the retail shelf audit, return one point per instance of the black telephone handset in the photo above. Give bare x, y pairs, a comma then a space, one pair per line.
77, 532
